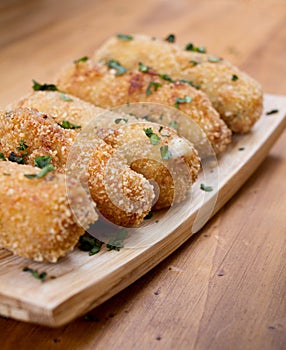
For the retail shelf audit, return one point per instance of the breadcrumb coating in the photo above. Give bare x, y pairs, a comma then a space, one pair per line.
101, 86
43, 136
143, 151
236, 96
53, 231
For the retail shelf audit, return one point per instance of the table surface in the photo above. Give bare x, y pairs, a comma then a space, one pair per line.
236, 299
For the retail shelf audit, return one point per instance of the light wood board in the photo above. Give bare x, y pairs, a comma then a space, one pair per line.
84, 281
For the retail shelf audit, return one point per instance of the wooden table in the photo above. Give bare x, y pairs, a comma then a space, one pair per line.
226, 287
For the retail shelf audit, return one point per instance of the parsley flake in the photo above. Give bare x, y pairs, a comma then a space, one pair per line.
234, 77
166, 77
65, 97
118, 120
165, 152
22, 146
173, 124
90, 244
47, 169
154, 138
42, 161
117, 66
149, 215
67, 125
192, 47
44, 87
171, 38
82, 59
152, 85
213, 59
124, 37
2, 157
36, 274
241, 149
193, 62
206, 188
186, 99
189, 82
143, 68
13, 158
117, 242
273, 111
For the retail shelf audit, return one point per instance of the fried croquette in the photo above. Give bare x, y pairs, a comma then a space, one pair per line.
40, 135
103, 87
236, 96
36, 220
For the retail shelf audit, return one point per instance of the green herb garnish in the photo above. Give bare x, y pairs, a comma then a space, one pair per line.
35, 273
213, 59
206, 188
42, 161
166, 77
13, 158
143, 68
194, 63
118, 120
22, 146
117, 242
149, 215
165, 152
171, 38
152, 85
189, 82
65, 97
44, 87
117, 66
124, 37
160, 129
241, 149
154, 138
273, 111
173, 124
82, 59
47, 169
186, 99
67, 125
234, 77
192, 47
2, 157
90, 244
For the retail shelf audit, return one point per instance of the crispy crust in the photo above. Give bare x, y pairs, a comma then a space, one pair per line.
239, 102
51, 233
97, 84
45, 137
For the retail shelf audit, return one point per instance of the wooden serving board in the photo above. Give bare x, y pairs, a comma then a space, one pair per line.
83, 282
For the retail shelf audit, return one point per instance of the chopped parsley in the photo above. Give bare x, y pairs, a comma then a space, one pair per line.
206, 188
234, 77
143, 68
189, 82
2, 157
36, 274
152, 86
90, 244
13, 158
166, 77
165, 152
154, 138
117, 66
117, 242
241, 149
171, 38
67, 125
192, 47
161, 128
213, 59
273, 111
179, 100
42, 161
82, 59
47, 169
22, 146
65, 97
149, 215
193, 62
44, 87
118, 120
124, 37
173, 124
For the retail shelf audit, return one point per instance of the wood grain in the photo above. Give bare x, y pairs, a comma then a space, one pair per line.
187, 306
